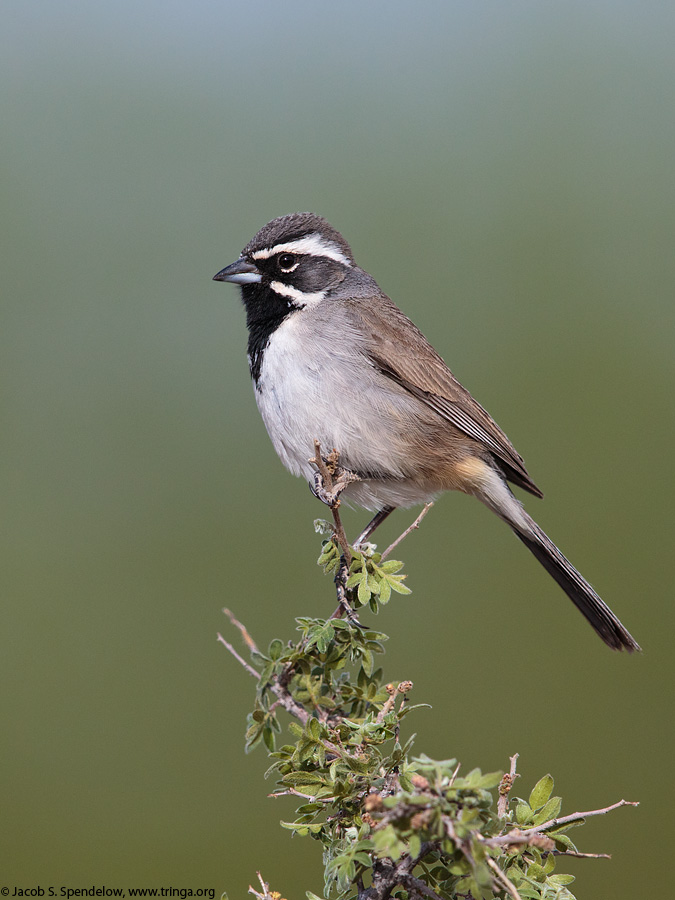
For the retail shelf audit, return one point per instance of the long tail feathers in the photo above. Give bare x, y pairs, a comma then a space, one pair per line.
601, 617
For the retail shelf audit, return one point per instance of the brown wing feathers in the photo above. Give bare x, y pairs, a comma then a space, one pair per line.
401, 352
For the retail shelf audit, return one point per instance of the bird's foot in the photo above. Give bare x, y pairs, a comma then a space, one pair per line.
331, 495
330, 479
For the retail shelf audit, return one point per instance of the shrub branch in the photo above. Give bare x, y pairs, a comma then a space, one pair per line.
390, 824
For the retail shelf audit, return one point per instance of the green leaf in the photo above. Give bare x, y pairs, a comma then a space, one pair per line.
489, 780
536, 873
302, 828
385, 591
523, 813
561, 879
363, 593
302, 779
541, 792
396, 583
550, 811
387, 843
415, 846
321, 635
563, 842
368, 662
276, 649
314, 728
268, 738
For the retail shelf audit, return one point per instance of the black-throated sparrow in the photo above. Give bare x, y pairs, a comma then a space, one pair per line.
332, 359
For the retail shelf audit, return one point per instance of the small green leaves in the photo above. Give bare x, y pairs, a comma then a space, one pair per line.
370, 581
320, 636
375, 581
301, 828
330, 556
388, 843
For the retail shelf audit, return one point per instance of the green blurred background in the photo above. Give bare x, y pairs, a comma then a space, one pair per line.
505, 170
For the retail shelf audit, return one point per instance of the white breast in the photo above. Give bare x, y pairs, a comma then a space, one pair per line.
316, 384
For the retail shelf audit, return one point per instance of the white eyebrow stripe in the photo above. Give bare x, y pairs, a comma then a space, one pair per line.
310, 244
294, 294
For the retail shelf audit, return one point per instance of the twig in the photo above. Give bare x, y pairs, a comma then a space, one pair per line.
454, 774
294, 793
289, 704
415, 524
574, 817
416, 884
578, 855
505, 786
502, 879
278, 689
266, 895
389, 702
248, 640
524, 837
403, 688
249, 668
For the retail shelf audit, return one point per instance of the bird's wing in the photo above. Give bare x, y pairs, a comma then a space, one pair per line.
401, 352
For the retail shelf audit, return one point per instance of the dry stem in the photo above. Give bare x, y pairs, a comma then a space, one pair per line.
249, 668
413, 527
505, 787
502, 879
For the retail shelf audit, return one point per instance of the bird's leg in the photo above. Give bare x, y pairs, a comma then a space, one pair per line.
344, 606
374, 523
330, 480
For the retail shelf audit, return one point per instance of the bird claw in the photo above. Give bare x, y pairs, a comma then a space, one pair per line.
330, 479
331, 495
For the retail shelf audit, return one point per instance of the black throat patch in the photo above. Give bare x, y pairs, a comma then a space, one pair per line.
265, 311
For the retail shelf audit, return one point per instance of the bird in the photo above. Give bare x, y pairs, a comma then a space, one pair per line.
334, 360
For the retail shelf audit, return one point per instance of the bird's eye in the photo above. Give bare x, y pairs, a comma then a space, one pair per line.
287, 262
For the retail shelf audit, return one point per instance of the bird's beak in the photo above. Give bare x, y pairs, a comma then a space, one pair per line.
240, 272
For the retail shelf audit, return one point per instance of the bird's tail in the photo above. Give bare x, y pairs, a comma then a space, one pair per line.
586, 600
488, 483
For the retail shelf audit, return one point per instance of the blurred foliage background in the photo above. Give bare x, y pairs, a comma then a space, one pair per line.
506, 172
